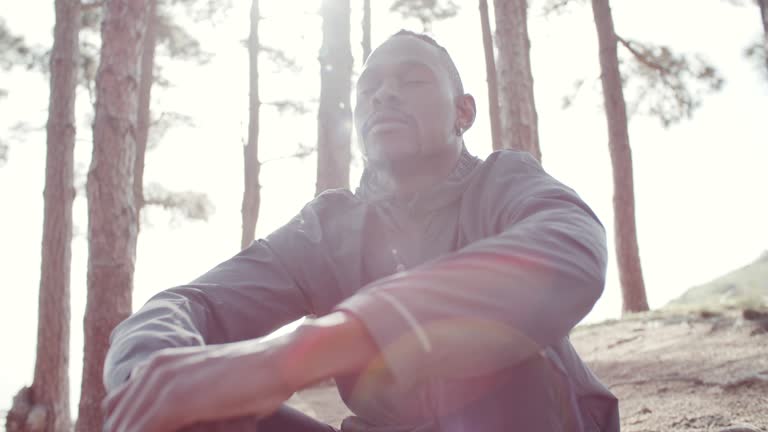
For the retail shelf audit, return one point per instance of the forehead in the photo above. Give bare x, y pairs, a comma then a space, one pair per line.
404, 51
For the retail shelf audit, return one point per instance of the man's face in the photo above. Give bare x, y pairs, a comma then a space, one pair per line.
405, 102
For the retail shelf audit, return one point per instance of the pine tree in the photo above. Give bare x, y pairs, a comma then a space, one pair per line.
519, 121
143, 119
366, 43
668, 86
426, 11
490, 73
251, 191
334, 120
45, 405
112, 222
630, 271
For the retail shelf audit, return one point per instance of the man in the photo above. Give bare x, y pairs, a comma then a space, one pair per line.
444, 290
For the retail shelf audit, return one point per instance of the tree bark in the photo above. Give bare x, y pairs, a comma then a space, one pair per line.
519, 121
366, 29
763, 4
625, 231
334, 120
146, 79
252, 189
490, 73
112, 223
50, 388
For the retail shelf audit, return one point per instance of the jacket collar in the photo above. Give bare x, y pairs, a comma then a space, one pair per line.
372, 191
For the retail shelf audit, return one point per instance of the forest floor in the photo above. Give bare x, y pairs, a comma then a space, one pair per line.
671, 370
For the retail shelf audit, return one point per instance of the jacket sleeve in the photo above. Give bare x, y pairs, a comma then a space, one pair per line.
245, 297
537, 271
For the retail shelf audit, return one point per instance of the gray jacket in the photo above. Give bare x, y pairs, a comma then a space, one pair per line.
497, 263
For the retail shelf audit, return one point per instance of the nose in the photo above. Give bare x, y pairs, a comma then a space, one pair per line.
386, 94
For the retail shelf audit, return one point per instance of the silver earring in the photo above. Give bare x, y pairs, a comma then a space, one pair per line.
458, 130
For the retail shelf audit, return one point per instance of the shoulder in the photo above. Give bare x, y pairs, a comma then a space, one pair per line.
314, 231
335, 195
510, 173
509, 178
513, 162
326, 213
332, 202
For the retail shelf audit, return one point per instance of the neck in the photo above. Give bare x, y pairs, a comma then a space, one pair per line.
417, 174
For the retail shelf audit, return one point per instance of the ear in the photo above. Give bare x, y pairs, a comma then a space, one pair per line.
465, 112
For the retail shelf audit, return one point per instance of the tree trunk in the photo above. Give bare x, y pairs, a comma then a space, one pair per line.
112, 223
334, 118
630, 272
519, 121
764, 15
490, 73
49, 395
366, 29
146, 79
252, 192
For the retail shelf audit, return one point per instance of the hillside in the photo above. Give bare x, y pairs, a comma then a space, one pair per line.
746, 286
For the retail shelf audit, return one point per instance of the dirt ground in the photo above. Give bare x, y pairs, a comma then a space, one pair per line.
672, 371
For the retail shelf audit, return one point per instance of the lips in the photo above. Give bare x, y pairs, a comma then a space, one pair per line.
384, 118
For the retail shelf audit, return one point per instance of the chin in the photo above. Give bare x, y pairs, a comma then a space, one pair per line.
391, 153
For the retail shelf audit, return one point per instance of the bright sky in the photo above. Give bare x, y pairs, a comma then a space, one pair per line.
700, 185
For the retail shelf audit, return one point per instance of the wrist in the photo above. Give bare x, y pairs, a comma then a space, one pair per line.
321, 348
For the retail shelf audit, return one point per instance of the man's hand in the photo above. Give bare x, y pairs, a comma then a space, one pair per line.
178, 387
181, 386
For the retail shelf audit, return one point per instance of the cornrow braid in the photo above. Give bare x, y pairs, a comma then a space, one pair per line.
453, 72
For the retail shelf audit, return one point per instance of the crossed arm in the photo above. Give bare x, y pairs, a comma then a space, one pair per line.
485, 307
248, 378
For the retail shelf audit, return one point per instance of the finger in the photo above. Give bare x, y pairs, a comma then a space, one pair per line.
115, 406
113, 399
136, 398
139, 369
153, 418
152, 401
148, 420
140, 381
131, 398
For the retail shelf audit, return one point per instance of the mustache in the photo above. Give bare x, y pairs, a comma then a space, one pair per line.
382, 116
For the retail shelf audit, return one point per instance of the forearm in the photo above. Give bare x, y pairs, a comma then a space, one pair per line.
488, 306
321, 348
